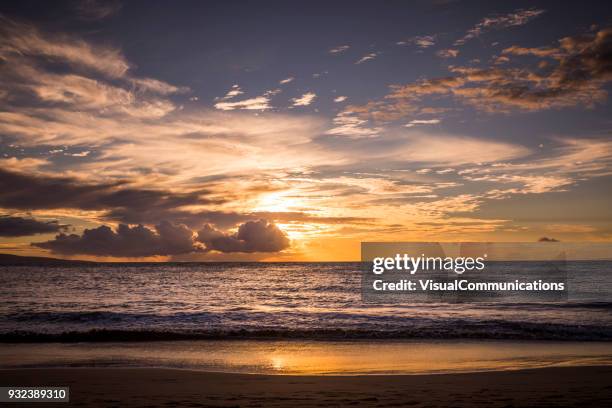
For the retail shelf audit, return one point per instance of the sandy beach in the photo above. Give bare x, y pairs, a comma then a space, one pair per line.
136, 387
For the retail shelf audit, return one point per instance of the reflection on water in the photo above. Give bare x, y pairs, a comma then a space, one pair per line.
312, 357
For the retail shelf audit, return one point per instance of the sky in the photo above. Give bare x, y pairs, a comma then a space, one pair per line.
293, 131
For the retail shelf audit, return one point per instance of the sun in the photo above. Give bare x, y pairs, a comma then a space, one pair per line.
282, 201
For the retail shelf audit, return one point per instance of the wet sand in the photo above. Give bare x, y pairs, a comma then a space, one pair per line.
304, 357
140, 387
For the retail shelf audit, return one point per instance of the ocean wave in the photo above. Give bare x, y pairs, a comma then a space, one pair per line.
246, 313
493, 330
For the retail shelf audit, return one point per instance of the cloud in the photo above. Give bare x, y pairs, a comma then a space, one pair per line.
21, 227
546, 239
339, 99
457, 150
286, 80
576, 76
425, 41
536, 51
157, 86
97, 9
86, 94
448, 53
90, 78
367, 57
22, 40
252, 236
571, 160
84, 153
525, 184
120, 120
516, 18
233, 92
339, 49
128, 242
416, 147
347, 123
230, 141
257, 103
422, 122
272, 92
570, 228
78, 90
23, 165
116, 201
422, 41
372, 184
125, 179
502, 59
305, 99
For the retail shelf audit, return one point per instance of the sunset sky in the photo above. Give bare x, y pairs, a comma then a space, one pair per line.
227, 130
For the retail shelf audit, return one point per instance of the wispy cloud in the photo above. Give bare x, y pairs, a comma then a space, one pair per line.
339, 99
97, 9
421, 41
339, 49
416, 122
347, 123
261, 102
367, 57
286, 80
157, 86
22, 40
516, 18
452, 150
257, 103
84, 153
92, 78
448, 53
233, 92
305, 99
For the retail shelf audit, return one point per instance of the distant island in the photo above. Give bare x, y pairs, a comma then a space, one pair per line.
8, 259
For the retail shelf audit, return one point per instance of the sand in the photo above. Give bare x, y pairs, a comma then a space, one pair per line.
129, 387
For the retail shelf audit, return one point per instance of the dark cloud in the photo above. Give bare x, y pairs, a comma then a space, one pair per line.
252, 236
546, 239
123, 204
21, 227
168, 239
126, 241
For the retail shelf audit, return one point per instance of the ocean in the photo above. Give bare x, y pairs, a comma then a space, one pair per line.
199, 301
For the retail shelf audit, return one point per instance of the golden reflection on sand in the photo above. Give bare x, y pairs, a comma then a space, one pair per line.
313, 357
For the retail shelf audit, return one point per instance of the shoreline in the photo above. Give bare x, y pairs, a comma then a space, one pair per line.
298, 357
559, 386
314, 375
